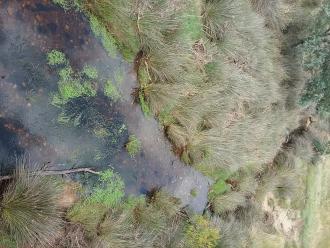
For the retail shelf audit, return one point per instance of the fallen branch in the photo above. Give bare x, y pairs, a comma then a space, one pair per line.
55, 172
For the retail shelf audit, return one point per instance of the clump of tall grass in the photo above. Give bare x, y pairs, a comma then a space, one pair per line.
219, 97
151, 222
118, 19
277, 13
28, 208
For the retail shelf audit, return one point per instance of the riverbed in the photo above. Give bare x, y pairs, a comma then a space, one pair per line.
29, 122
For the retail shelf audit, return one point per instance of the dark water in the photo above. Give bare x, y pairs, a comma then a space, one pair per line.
29, 122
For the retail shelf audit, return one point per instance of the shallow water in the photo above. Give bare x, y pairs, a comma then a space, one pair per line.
29, 122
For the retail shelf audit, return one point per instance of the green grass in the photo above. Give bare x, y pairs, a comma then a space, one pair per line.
201, 234
133, 146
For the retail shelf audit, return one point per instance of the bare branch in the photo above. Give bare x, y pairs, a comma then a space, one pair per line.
56, 172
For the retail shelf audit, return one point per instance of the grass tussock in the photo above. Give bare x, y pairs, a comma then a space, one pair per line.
29, 212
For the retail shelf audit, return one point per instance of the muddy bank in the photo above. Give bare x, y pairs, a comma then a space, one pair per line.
29, 122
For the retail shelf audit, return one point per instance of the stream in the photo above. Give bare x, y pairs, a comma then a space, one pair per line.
29, 122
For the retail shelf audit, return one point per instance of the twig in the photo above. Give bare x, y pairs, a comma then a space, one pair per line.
55, 172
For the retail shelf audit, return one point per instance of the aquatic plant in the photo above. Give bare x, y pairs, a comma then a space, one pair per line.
201, 233
110, 90
73, 89
55, 57
66, 73
28, 210
133, 146
90, 72
73, 84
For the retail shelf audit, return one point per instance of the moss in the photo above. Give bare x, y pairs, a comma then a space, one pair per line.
201, 234
110, 90
133, 146
90, 72
55, 57
101, 32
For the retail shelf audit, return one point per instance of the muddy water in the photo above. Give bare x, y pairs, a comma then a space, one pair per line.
28, 122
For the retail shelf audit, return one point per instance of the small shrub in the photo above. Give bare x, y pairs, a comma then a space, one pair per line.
201, 234
55, 57
133, 146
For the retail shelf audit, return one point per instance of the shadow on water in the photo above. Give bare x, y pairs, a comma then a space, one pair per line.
29, 122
